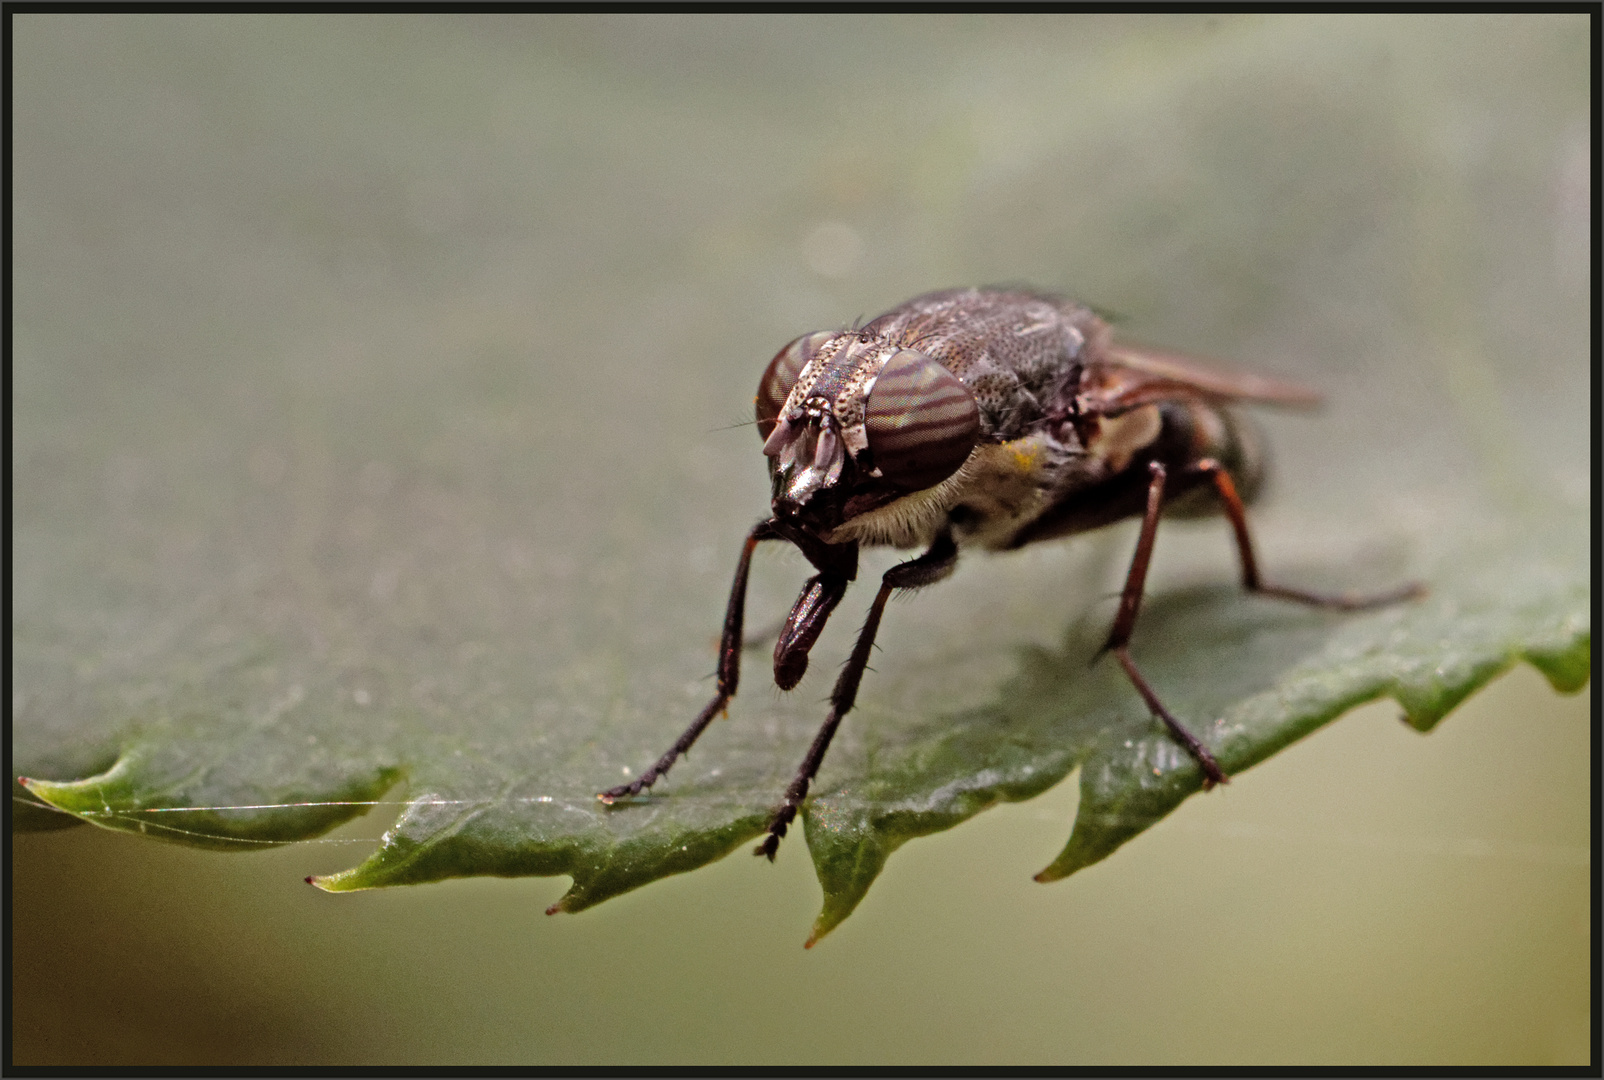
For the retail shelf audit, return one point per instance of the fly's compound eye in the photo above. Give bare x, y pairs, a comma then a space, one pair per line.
781, 375
921, 421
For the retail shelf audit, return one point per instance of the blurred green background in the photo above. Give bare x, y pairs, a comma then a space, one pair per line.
1359, 195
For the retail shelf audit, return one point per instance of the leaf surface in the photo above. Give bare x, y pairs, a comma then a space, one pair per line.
403, 485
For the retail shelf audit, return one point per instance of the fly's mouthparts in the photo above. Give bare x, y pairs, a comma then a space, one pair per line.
810, 455
778, 439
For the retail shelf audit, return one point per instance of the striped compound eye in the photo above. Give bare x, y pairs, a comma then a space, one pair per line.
781, 375
921, 421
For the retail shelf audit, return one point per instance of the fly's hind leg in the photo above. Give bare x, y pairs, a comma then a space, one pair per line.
1226, 489
1119, 634
729, 672
927, 569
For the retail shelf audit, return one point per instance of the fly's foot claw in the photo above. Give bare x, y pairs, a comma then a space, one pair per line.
624, 791
777, 827
1212, 773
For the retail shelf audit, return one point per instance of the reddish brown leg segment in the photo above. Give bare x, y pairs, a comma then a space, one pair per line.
1250, 565
927, 569
729, 672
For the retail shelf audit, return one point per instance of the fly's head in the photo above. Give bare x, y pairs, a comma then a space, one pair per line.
852, 422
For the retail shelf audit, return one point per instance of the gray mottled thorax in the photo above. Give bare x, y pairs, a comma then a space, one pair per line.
1017, 352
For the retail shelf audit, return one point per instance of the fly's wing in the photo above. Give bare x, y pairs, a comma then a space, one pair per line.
1126, 376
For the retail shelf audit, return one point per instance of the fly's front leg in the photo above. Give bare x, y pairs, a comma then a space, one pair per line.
1251, 581
927, 569
729, 671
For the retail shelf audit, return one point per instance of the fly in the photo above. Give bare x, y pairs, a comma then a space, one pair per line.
990, 419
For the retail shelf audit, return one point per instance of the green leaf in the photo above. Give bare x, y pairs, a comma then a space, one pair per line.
371, 464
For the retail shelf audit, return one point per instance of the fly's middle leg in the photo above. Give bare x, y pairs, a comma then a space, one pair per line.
927, 569
1119, 635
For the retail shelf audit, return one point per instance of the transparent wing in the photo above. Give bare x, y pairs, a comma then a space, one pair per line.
1130, 375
